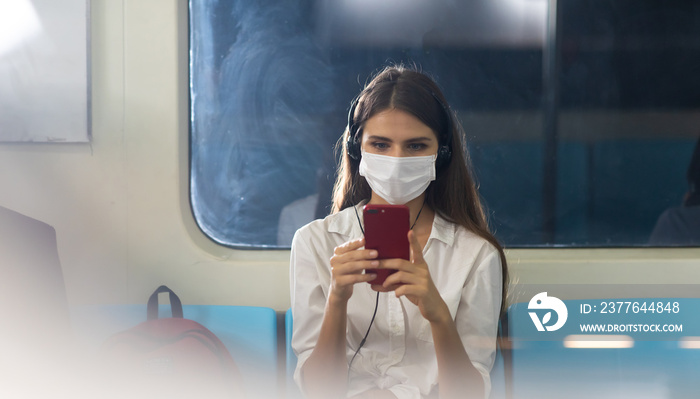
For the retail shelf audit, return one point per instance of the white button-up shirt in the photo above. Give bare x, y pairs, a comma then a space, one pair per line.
399, 354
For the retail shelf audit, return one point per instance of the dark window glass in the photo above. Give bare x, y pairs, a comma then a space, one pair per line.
580, 126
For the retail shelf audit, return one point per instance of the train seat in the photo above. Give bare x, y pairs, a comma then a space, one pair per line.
565, 363
32, 290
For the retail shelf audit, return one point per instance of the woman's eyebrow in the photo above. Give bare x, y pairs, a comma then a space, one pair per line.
411, 140
375, 137
417, 139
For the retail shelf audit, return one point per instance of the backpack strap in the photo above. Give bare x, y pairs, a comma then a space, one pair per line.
175, 304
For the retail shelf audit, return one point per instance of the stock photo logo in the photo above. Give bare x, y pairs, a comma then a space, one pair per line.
543, 302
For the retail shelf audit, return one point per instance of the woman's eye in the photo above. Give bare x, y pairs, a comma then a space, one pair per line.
416, 146
380, 146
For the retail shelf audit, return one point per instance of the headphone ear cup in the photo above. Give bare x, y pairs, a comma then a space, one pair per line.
443, 157
352, 147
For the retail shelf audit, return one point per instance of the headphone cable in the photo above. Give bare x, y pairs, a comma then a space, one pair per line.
362, 343
376, 304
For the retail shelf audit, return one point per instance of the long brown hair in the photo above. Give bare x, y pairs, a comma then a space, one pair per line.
453, 194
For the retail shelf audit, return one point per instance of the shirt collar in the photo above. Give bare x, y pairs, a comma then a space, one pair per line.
346, 224
443, 230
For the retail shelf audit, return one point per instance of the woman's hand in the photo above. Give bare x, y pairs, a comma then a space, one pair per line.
347, 264
325, 373
413, 280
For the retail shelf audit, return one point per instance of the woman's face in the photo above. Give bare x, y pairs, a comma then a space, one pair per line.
397, 133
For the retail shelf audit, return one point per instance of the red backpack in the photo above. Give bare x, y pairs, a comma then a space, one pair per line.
170, 357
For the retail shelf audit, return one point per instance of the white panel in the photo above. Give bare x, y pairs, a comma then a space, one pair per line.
44, 92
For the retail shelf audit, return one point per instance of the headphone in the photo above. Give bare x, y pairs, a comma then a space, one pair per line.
353, 144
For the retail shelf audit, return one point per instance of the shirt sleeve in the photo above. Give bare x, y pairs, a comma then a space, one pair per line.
478, 313
307, 298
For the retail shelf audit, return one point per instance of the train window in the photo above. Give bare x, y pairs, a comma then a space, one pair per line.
581, 117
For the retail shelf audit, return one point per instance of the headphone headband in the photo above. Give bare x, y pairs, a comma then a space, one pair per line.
353, 144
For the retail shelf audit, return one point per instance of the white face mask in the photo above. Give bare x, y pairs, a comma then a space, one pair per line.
397, 179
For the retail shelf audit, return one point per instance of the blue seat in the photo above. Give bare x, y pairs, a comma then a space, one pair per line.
249, 333
654, 366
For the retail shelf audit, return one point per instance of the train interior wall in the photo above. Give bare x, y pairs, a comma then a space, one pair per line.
120, 204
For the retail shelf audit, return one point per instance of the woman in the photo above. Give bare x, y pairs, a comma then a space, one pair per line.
434, 334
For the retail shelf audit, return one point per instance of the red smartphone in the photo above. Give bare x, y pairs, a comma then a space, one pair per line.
386, 230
